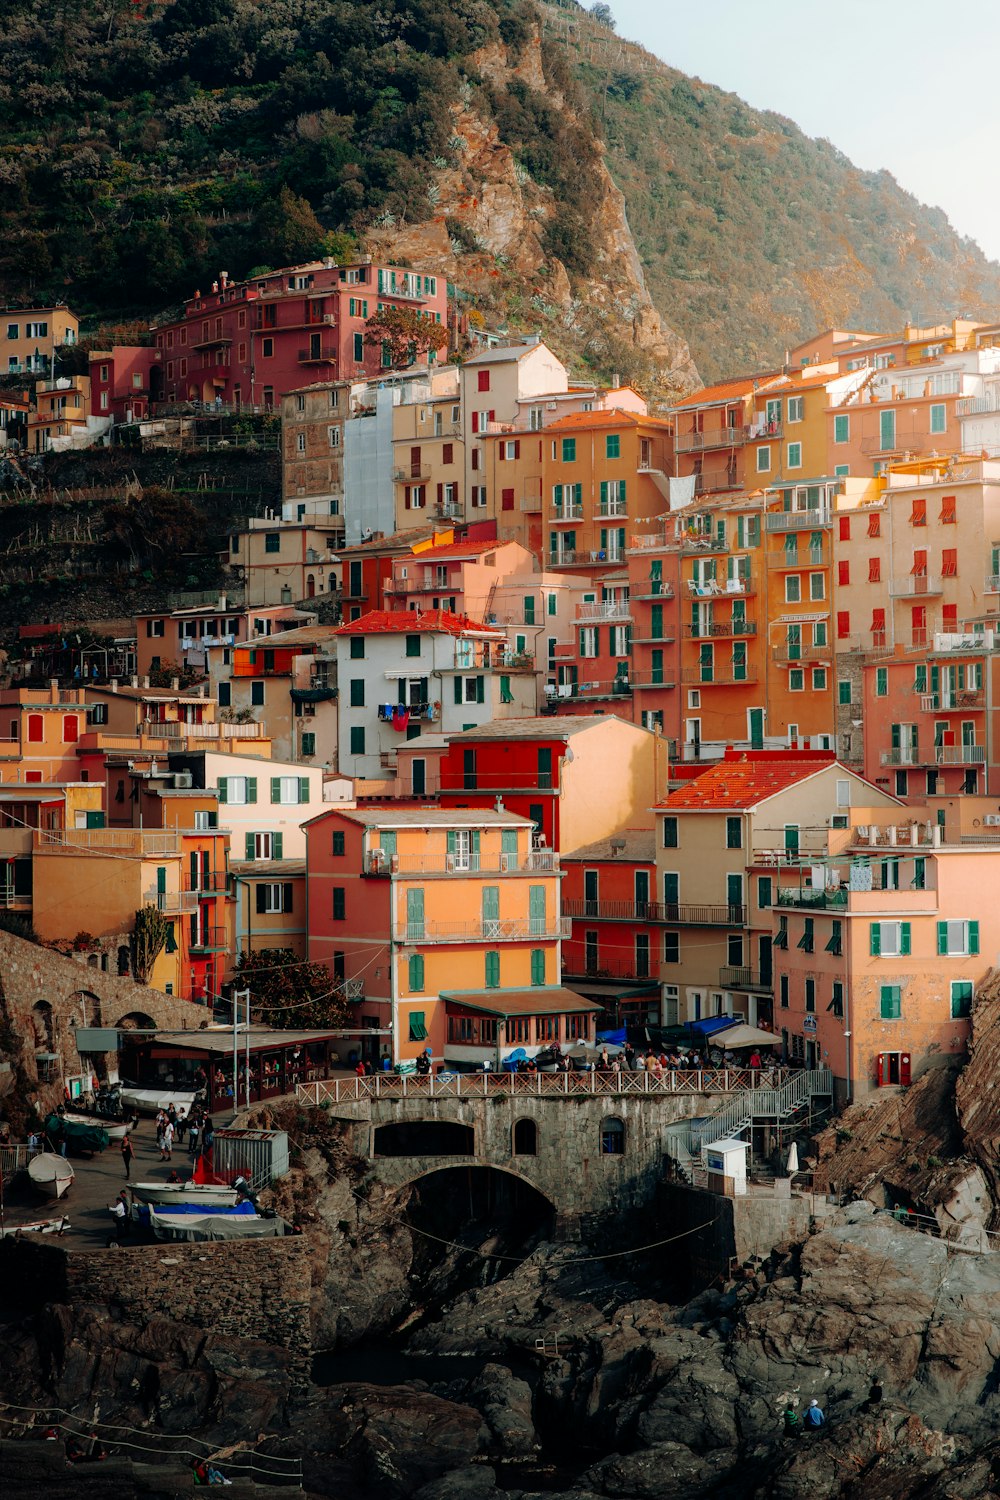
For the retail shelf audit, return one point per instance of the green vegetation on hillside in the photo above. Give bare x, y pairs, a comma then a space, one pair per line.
753, 235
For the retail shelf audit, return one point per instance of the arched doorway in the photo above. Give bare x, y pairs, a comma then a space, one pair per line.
136, 1020
41, 1020
524, 1138
494, 1213
86, 1007
425, 1138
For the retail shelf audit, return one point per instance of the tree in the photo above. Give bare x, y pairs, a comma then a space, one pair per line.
287, 231
286, 992
602, 14
402, 334
149, 938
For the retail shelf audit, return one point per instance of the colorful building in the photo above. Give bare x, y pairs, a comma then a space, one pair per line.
312, 449
121, 382
290, 680
183, 638
447, 926
31, 338
612, 954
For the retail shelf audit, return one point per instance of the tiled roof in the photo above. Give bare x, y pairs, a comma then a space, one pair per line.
416, 622
640, 845
747, 779
542, 727
505, 354
456, 549
728, 390
534, 1002
430, 817
305, 635
584, 420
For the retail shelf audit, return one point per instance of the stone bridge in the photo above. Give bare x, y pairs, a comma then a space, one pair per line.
589, 1143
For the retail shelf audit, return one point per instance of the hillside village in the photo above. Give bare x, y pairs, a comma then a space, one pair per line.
531, 713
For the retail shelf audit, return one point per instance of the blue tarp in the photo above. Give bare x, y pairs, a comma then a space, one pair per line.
197, 1208
712, 1024
613, 1038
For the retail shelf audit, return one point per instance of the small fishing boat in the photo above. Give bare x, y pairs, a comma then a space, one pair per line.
149, 1101
51, 1175
40, 1226
239, 1223
114, 1132
212, 1194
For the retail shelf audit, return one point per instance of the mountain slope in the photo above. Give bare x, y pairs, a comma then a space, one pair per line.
751, 234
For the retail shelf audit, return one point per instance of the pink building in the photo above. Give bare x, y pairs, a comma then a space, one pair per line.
249, 343
121, 380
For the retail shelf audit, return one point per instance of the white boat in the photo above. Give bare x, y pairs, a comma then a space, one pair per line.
50, 1174
40, 1226
212, 1194
148, 1101
213, 1226
115, 1132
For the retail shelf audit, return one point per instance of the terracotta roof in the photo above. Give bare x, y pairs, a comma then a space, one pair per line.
542, 727
746, 779
728, 390
456, 549
539, 1001
506, 353
305, 635
415, 622
583, 420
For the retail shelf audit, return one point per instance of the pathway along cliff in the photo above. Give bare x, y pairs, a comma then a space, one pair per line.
471, 1355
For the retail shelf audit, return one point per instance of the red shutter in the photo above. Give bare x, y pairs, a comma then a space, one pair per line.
507, 499
501, 452
475, 421
475, 456
440, 493
517, 447
874, 569
843, 624
843, 574
406, 498
845, 528
483, 380
949, 617
492, 416
447, 453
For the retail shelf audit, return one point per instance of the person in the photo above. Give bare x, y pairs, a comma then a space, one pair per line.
755, 1059
792, 1421
76, 1453
207, 1136
814, 1418
604, 1061
424, 1063
181, 1124
122, 1217
168, 1140
360, 1070
194, 1131
128, 1155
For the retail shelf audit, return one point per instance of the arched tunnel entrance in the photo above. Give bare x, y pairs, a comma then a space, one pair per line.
425, 1138
471, 1226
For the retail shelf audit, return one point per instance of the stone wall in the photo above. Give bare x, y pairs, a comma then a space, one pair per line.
45, 995
720, 1232
254, 1289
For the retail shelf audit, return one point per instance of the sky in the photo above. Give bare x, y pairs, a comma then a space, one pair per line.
906, 87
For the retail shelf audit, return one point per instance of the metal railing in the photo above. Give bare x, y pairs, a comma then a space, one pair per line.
141, 843
521, 863
683, 913
171, 902
14, 1159
913, 585
650, 541
808, 557
707, 630
489, 930
736, 977
805, 652
567, 512
210, 940
718, 676
797, 520
208, 882
612, 508
654, 588
419, 474
950, 700
907, 755
725, 437
605, 609
612, 1084
833, 899
960, 755
771, 1102
532, 502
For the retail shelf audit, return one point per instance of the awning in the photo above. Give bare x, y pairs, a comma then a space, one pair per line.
745, 1036
312, 695
602, 987
540, 1000
711, 1024
798, 619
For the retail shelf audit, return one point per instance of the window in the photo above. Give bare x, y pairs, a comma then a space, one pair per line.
819, 679
670, 833
948, 516
417, 1026
889, 939
359, 348
612, 1137
918, 513
338, 845
272, 541
357, 648
843, 624
237, 790
569, 450
810, 994
309, 744
613, 445
538, 966
796, 680
492, 970
267, 348
482, 380
807, 941
817, 586
793, 589
842, 429
415, 977
339, 903
795, 455
938, 418
796, 405
289, 791
763, 460
734, 833
274, 896
357, 739
881, 682
887, 430
890, 1002
957, 938
671, 947
949, 562
333, 436
844, 692
765, 892
257, 694
154, 628
783, 991
961, 999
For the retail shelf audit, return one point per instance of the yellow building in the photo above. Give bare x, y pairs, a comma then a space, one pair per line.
30, 338
428, 453
62, 410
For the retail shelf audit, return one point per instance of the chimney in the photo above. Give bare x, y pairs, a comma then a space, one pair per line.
175, 683
145, 682
135, 682
113, 684
223, 279
53, 689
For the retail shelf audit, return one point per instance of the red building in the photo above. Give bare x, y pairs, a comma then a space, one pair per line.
121, 380
613, 955
248, 343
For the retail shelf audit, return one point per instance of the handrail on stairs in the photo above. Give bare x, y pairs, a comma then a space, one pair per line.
766, 1103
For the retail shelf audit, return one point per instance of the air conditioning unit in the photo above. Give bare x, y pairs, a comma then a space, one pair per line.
992, 820
184, 779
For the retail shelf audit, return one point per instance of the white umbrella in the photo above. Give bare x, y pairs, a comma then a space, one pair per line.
793, 1160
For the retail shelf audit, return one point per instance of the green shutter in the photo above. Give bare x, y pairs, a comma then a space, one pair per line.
536, 909
621, 490
451, 841
414, 913
492, 970
973, 937
303, 789
538, 965
490, 903
275, 789
875, 939
250, 846
474, 842
508, 841
942, 937
904, 937
480, 690
604, 492
458, 689
276, 843
223, 790
416, 977
251, 789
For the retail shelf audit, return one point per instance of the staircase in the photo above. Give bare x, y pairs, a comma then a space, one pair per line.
777, 1105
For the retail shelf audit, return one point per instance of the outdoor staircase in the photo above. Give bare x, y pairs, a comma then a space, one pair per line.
777, 1106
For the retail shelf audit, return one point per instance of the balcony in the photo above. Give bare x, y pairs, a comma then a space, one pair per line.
537, 861
208, 883
718, 676
654, 588
532, 502
322, 356
960, 755
584, 967
992, 585
951, 701
905, 755
797, 520
655, 541
665, 638
642, 680
711, 588
605, 609
568, 558
492, 930
709, 630
792, 656
210, 940
136, 842
833, 899
808, 557
612, 508
415, 474
566, 513
735, 977
170, 903
914, 586
717, 482
724, 437
681, 913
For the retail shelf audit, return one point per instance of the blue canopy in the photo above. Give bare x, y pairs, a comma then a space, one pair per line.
711, 1024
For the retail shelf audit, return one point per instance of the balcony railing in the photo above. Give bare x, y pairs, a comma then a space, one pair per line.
567, 512
209, 882
725, 437
682, 913
532, 502
992, 585
808, 557
712, 588
704, 631
950, 702
835, 898
415, 474
321, 356
651, 541
904, 755
612, 508
568, 558
377, 863
665, 679
791, 655
913, 585
605, 609
170, 902
960, 755
654, 588
499, 930
735, 977
582, 967
797, 520
718, 676
210, 940
135, 841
